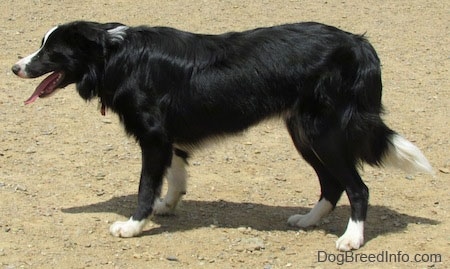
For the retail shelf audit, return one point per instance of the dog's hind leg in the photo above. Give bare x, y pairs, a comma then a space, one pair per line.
331, 150
330, 186
331, 191
176, 181
324, 146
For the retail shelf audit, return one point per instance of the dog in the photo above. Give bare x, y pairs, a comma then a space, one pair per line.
173, 90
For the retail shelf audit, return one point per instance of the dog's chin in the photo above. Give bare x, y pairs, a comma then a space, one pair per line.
48, 86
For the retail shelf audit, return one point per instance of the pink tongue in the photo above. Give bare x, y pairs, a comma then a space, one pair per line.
42, 87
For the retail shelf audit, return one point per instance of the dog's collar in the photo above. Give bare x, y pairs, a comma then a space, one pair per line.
103, 110
102, 107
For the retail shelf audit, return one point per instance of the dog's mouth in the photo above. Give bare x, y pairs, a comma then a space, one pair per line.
47, 87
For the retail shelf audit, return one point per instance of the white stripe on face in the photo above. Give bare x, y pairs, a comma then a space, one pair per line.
26, 60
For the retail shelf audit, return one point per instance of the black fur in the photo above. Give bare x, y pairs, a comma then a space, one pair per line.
171, 87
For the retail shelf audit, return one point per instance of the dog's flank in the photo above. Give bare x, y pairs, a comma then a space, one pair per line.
173, 90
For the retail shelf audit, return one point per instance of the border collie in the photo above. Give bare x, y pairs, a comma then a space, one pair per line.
174, 90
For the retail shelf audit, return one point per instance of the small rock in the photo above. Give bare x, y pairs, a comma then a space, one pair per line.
444, 170
252, 244
30, 150
108, 148
242, 229
100, 176
20, 188
100, 193
172, 258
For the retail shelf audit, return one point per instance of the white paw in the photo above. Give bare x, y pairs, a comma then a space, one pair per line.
301, 221
128, 228
321, 209
347, 243
161, 207
353, 238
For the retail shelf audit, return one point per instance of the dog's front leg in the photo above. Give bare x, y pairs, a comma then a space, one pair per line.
156, 157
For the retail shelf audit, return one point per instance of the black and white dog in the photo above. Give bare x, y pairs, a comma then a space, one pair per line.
174, 90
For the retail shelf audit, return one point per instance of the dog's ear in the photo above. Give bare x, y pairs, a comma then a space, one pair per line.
93, 41
97, 38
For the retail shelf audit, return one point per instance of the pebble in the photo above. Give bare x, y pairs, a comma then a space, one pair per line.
253, 244
444, 170
242, 229
20, 188
30, 150
100, 176
172, 258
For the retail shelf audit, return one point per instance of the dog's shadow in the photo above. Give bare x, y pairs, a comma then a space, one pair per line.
196, 214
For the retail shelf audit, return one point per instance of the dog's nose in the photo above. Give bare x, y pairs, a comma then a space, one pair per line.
16, 69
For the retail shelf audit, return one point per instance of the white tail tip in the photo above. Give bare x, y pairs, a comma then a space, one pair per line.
404, 155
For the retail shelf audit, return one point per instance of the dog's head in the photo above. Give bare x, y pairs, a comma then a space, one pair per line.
72, 53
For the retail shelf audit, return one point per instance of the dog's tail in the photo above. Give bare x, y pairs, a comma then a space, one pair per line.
370, 138
405, 155
384, 147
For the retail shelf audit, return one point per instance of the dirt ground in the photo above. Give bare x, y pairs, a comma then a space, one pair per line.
67, 173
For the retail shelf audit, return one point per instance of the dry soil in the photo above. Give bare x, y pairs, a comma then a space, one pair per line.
67, 173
